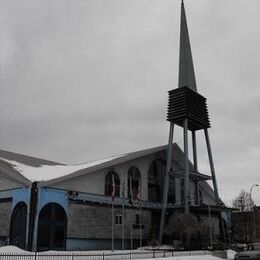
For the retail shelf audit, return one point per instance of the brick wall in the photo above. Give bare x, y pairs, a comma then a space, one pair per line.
5, 218
94, 222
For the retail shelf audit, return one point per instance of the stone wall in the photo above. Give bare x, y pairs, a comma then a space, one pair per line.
94, 222
5, 218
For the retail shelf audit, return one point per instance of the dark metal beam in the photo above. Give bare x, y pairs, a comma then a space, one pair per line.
212, 168
166, 182
187, 177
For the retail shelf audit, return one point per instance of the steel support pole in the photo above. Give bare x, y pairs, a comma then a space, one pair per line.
213, 174
195, 164
166, 182
187, 177
194, 146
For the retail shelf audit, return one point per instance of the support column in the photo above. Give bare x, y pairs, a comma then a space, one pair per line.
187, 177
195, 164
194, 146
33, 212
213, 174
166, 182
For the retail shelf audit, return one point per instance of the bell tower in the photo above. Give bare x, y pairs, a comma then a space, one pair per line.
187, 109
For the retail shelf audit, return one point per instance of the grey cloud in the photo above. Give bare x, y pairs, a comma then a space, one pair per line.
81, 80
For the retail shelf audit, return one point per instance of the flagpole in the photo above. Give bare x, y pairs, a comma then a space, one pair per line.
113, 213
123, 227
140, 208
123, 216
113, 226
131, 209
140, 224
131, 228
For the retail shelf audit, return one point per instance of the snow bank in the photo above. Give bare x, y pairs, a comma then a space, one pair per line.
231, 254
12, 250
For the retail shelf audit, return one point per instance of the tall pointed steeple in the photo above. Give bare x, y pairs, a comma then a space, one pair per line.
187, 109
186, 69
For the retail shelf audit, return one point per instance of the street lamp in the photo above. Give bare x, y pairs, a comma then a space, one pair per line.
253, 213
250, 193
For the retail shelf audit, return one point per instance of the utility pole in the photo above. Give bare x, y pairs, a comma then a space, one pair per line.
253, 212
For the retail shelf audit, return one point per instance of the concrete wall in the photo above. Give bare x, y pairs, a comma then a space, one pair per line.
5, 218
207, 193
94, 222
6, 184
94, 182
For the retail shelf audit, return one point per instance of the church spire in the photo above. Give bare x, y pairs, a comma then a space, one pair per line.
186, 69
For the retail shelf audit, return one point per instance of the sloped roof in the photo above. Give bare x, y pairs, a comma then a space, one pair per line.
30, 169
8, 160
25, 159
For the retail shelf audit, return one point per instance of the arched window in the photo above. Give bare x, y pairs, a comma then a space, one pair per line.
155, 180
52, 228
109, 184
18, 225
134, 183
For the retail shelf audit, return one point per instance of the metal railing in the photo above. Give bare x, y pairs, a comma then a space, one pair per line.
98, 255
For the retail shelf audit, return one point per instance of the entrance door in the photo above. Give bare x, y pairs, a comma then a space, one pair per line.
18, 225
52, 227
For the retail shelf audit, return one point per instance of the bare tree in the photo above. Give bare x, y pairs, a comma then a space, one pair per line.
183, 227
243, 201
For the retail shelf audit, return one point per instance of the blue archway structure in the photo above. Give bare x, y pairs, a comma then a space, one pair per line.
52, 228
18, 225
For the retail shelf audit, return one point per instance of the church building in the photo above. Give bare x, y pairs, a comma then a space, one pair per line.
121, 202
47, 205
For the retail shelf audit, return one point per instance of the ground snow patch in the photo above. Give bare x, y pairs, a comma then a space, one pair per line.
15, 250
12, 249
190, 257
231, 254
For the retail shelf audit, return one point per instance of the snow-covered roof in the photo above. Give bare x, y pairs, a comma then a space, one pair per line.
28, 169
48, 172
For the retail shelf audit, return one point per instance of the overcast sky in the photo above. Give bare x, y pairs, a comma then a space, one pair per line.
85, 79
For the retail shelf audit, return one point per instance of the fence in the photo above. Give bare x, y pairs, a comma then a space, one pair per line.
99, 256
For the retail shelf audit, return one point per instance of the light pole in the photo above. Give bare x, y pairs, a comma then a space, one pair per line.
253, 213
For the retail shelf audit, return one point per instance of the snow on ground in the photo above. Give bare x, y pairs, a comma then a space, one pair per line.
231, 254
49, 172
136, 254
199, 257
12, 249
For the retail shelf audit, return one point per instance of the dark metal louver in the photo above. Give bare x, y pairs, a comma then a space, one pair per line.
186, 103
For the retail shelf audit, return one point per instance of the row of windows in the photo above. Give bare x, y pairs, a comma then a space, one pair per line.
119, 219
155, 184
112, 182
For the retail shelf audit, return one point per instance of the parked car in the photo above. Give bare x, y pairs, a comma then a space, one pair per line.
252, 252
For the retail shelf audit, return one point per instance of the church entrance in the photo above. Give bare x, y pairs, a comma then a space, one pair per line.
18, 225
52, 228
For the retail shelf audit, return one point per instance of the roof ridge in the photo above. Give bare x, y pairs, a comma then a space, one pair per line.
19, 157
